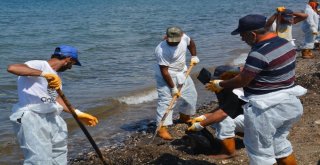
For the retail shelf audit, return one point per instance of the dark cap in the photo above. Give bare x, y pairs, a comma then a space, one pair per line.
174, 34
250, 22
287, 15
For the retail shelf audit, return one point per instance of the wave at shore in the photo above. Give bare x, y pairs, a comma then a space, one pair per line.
138, 98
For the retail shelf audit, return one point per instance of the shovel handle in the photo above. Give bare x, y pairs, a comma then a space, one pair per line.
85, 131
170, 105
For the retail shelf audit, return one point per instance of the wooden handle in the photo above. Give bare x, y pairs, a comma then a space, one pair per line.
170, 105
85, 131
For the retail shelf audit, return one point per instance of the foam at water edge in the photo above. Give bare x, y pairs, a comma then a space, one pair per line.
240, 59
139, 98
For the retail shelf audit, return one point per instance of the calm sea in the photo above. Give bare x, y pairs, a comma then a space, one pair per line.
116, 40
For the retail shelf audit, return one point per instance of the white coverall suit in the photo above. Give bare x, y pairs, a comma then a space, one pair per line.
227, 127
41, 132
309, 26
268, 119
175, 58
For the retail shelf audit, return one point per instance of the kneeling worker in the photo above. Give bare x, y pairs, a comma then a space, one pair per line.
227, 118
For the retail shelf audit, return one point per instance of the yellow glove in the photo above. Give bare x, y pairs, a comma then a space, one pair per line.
194, 60
54, 80
86, 118
195, 127
214, 86
197, 119
280, 9
175, 92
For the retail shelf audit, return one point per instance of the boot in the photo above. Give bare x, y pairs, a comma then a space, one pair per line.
317, 45
304, 53
289, 160
164, 133
307, 54
228, 149
311, 55
184, 118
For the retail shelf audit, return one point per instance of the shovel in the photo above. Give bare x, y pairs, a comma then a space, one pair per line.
170, 105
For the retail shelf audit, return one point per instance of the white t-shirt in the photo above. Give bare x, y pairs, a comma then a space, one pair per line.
173, 56
34, 89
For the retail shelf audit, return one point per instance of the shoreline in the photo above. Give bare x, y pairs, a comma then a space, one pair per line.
195, 148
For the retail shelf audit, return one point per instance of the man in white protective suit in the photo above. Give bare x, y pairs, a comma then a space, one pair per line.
310, 29
170, 74
40, 130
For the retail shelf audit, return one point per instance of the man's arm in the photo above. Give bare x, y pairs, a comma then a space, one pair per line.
165, 74
298, 17
23, 70
202, 121
84, 117
192, 48
214, 117
241, 80
270, 21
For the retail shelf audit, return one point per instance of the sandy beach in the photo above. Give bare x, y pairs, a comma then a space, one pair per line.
196, 148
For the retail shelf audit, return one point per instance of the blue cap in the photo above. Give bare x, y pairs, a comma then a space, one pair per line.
250, 22
68, 51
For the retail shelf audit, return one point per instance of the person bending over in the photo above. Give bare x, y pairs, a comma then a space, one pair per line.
40, 130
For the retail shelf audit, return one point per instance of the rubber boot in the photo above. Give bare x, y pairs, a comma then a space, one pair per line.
228, 149
164, 133
304, 53
307, 54
289, 160
317, 46
311, 55
184, 118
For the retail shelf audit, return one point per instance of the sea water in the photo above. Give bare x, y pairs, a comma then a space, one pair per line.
116, 41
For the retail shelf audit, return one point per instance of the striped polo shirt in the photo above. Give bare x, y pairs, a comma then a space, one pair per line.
272, 63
